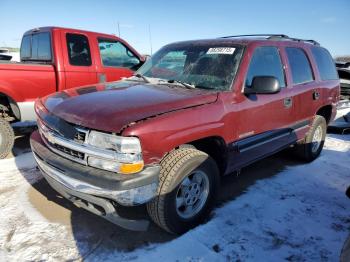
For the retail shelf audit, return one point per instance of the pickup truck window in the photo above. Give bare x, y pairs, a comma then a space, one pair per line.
41, 46
26, 46
114, 53
299, 65
203, 66
265, 61
78, 50
325, 63
36, 47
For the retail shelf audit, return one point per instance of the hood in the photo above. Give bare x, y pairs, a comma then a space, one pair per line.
111, 106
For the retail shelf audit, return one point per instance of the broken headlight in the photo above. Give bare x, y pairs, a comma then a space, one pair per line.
128, 154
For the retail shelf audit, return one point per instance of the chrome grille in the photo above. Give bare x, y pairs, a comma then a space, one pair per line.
69, 151
77, 148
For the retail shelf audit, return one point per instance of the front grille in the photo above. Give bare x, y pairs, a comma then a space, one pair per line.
69, 151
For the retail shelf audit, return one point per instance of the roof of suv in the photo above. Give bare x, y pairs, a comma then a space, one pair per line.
246, 39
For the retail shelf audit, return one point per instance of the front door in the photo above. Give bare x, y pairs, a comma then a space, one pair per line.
264, 119
117, 60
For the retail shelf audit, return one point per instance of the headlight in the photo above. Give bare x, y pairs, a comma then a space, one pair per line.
128, 157
128, 145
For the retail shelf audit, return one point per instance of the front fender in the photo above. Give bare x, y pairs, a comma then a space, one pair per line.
160, 134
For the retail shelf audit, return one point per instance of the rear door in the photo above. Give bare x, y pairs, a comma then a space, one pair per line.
117, 60
78, 63
306, 89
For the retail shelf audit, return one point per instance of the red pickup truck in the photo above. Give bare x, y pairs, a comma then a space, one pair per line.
54, 59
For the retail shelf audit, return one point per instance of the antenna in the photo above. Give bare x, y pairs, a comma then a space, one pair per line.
118, 29
150, 38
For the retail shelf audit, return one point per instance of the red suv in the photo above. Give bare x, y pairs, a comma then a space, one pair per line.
195, 111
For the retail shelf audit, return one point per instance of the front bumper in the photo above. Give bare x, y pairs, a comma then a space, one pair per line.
94, 189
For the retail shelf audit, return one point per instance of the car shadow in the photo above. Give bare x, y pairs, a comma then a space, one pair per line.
92, 233
21, 143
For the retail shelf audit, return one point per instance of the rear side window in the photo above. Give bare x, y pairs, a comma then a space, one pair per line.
78, 50
299, 65
36, 47
325, 63
26, 47
266, 61
116, 54
41, 47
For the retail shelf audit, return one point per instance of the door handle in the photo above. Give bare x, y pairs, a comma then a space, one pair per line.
316, 95
288, 102
101, 78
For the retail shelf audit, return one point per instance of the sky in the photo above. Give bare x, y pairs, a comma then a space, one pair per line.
152, 24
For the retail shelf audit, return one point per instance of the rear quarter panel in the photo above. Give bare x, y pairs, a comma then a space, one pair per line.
26, 82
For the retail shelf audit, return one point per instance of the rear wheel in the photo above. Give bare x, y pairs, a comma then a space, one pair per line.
311, 147
6, 138
187, 188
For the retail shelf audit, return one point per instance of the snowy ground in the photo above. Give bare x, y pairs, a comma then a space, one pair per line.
277, 210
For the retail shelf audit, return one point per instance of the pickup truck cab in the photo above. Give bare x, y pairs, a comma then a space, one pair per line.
195, 111
54, 59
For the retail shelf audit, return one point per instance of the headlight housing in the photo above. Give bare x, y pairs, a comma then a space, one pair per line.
126, 145
128, 153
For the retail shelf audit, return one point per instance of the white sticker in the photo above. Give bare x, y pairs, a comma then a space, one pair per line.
221, 50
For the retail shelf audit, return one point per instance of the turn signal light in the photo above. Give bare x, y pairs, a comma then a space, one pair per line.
130, 168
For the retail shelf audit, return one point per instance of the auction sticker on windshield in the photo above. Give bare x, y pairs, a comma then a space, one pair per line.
221, 50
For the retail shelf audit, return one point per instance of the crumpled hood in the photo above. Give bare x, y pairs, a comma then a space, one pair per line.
111, 106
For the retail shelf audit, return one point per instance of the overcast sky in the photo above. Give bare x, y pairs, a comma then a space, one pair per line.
169, 21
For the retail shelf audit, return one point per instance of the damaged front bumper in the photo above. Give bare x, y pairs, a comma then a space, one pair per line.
96, 190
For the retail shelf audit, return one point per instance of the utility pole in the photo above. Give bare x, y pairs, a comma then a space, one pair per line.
150, 38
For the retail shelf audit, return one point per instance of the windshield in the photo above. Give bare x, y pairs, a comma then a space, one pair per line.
206, 66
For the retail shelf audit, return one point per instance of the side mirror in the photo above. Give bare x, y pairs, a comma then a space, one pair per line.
145, 58
263, 85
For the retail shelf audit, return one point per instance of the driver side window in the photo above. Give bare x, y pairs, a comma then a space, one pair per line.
265, 61
115, 54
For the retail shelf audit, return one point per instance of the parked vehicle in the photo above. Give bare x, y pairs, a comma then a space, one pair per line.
54, 59
193, 112
342, 120
344, 75
5, 54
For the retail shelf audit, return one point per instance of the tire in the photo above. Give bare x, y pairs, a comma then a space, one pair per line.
180, 172
7, 138
308, 149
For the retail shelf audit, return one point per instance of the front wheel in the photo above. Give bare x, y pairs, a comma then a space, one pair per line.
7, 138
187, 188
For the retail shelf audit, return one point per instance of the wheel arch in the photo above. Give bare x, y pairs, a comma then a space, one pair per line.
326, 112
10, 104
214, 146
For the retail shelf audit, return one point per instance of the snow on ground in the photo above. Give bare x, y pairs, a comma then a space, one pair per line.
301, 214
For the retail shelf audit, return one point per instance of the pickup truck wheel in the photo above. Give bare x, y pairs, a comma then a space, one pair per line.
188, 183
7, 138
313, 143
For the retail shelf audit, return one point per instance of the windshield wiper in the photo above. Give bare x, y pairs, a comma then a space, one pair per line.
182, 83
205, 87
143, 77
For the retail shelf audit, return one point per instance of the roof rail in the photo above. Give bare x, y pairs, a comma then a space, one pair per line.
268, 35
276, 37
305, 40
